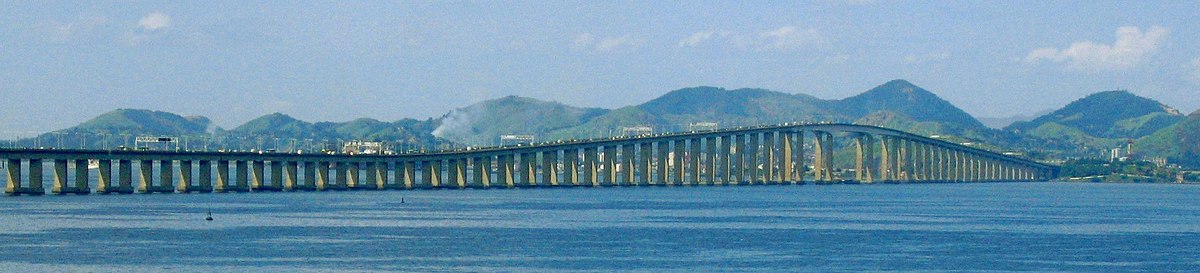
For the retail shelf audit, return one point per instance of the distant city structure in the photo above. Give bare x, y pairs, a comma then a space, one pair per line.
702, 126
639, 130
155, 143
365, 147
1121, 154
506, 140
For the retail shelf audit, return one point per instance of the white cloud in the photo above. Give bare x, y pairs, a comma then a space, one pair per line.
154, 21
583, 41
927, 57
1130, 48
785, 38
612, 43
586, 41
696, 39
789, 38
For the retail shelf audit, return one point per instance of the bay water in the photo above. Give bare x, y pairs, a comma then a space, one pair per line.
1043, 227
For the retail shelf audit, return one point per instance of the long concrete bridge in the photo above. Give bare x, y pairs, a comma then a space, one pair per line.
761, 155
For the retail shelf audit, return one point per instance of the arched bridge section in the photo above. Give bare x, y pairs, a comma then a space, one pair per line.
791, 153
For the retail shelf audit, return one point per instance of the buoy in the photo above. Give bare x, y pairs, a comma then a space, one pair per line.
209, 218
401, 200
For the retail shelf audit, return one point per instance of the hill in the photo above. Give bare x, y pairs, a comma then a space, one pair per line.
677, 109
118, 127
139, 121
482, 123
256, 132
902, 97
1180, 142
1110, 114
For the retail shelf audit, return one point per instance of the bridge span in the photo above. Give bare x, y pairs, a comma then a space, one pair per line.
762, 155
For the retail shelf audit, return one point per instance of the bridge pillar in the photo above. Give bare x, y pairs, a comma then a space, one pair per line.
767, 163
661, 176
124, 177
241, 176
927, 162
939, 154
628, 161
104, 182
81, 177
506, 169
781, 158
352, 173
277, 175
677, 163
166, 177
590, 167
409, 169
910, 159
693, 162
35, 178
433, 173
980, 169
787, 158
885, 158
222, 177
823, 167
864, 147
457, 173
958, 165
369, 179
724, 160
968, 165
644, 164
382, 181
710, 162
751, 157
185, 177
520, 170
571, 166
290, 177
204, 180
550, 168
322, 176
60, 177
256, 175
609, 163
801, 164
146, 173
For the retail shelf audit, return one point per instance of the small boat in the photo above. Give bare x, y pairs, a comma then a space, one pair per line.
209, 218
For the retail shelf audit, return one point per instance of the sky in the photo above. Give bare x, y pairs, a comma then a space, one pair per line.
64, 62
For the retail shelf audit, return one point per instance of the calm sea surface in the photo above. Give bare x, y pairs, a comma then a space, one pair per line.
931, 227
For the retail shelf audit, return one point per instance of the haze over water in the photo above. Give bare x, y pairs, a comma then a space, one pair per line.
917, 227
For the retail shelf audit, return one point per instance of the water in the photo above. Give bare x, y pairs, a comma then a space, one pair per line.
932, 227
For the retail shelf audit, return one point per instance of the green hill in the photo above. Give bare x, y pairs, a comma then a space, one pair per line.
281, 126
482, 123
897, 104
139, 121
1110, 114
902, 97
677, 109
1180, 142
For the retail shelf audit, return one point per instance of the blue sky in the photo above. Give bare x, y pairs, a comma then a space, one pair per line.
63, 62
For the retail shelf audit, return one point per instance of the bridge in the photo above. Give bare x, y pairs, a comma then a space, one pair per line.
762, 155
